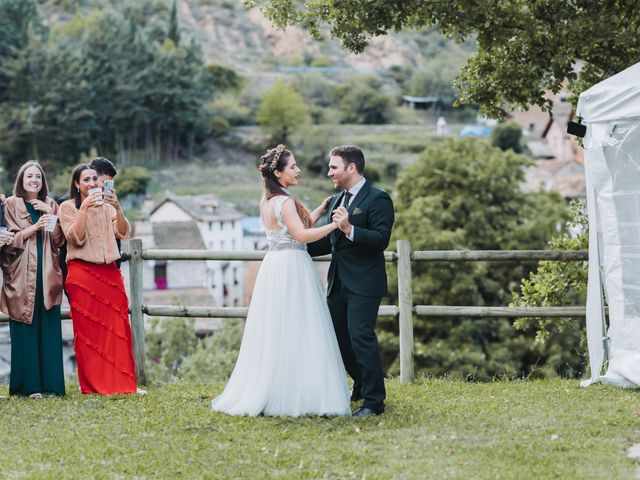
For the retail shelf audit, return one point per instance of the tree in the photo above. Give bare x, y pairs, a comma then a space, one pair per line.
79, 86
558, 283
525, 48
18, 19
133, 180
168, 344
507, 136
224, 78
364, 105
174, 29
465, 194
282, 112
174, 352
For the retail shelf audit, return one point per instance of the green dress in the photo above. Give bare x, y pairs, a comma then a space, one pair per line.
36, 348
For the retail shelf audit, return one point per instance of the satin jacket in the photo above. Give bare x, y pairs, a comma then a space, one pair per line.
97, 243
19, 263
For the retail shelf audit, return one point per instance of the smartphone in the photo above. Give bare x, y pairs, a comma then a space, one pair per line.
107, 188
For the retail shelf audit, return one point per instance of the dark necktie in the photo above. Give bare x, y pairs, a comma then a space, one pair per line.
347, 198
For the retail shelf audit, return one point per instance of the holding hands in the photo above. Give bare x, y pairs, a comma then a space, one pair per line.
341, 218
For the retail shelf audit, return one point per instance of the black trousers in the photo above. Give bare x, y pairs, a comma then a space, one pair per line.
354, 318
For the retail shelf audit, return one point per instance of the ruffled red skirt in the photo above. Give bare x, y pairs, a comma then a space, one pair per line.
101, 329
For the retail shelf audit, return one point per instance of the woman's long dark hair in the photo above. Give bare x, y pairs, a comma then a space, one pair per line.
277, 159
74, 192
18, 187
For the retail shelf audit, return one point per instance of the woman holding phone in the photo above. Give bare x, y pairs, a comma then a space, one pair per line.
32, 288
99, 306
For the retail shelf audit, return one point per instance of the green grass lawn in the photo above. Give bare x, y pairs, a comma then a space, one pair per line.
432, 429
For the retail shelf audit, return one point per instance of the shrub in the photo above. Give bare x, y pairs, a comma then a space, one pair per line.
372, 174
507, 136
132, 180
219, 126
364, 105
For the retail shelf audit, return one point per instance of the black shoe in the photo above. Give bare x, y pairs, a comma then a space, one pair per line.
365, 412
356, 395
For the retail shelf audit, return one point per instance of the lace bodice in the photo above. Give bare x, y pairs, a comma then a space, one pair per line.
281, 239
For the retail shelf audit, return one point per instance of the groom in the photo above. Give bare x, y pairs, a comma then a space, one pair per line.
357, 276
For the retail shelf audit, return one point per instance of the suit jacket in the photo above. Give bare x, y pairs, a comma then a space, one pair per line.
360, 263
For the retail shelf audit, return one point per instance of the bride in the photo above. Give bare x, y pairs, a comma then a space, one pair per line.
289, 362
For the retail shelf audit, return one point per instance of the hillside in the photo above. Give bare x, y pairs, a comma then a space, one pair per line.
245, 40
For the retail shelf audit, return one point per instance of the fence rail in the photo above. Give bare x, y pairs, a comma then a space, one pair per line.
405, 310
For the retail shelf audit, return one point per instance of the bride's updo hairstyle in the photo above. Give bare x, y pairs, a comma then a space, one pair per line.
276, 159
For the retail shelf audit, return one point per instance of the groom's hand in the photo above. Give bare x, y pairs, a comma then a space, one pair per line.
341, 217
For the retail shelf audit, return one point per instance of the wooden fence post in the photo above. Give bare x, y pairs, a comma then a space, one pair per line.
135, 302
405, 307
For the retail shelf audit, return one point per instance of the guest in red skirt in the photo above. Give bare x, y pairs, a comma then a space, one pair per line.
99, 307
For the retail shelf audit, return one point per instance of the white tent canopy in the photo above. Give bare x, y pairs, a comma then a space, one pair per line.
611, 111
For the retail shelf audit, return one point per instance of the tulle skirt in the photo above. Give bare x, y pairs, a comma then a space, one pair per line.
289, 362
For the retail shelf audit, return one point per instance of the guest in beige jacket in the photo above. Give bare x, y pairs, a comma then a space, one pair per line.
32, 287
92, 220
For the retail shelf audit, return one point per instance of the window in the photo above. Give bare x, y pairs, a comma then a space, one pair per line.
160, 275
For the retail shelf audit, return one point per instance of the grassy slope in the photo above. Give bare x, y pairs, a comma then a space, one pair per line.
432, 429
238, 181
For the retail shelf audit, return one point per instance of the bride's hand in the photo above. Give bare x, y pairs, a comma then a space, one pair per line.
324, 206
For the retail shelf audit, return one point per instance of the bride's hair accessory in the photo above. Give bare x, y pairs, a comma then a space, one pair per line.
272, 164
276, 157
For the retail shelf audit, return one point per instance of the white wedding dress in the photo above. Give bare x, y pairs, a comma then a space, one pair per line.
289, 362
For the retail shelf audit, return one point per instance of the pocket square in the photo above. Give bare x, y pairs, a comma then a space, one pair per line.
357, 211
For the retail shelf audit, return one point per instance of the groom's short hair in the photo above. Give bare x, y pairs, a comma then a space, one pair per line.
350, 154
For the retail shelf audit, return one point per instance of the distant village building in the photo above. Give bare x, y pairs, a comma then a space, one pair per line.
253, 236
559, 159
421, 103
198, 222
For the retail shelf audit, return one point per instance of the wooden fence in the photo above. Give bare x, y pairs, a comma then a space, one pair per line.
405, 309
133, 252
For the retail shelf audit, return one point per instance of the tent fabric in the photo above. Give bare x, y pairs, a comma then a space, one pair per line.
611, 111
613, 99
